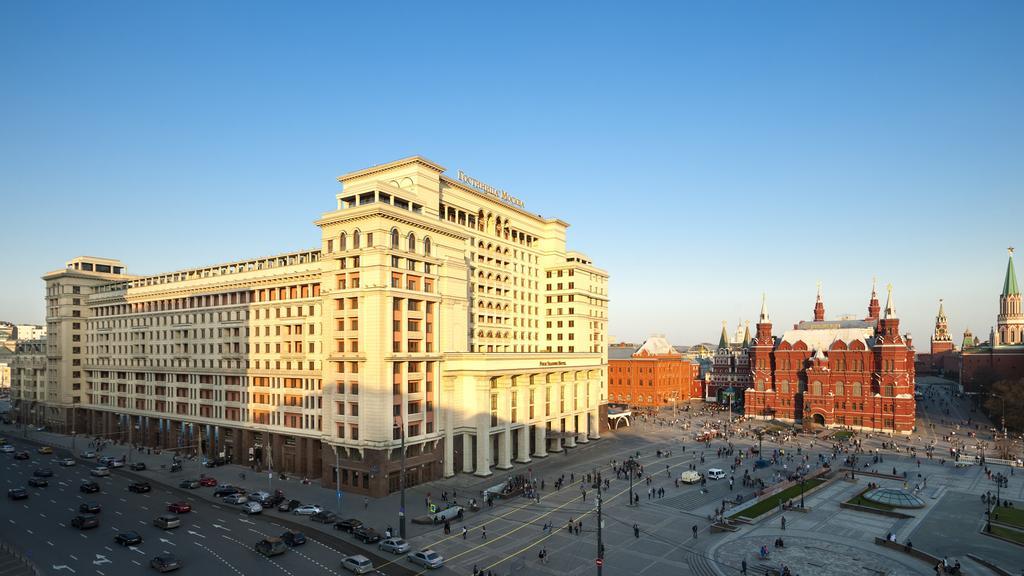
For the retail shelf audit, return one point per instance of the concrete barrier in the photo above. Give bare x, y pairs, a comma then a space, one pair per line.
991, 566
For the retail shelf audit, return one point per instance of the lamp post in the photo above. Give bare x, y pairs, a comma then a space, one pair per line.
803, 480
401, 509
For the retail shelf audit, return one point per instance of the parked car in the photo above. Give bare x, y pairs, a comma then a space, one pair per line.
252, 508
393, 545
138, 466
226, 490
87, 455
38, 482
45, 450
179, 507
259, 496
273, 501
167, 522
207, 481
100, 471
17, 494
89, 507
366, 534
307, 510
139, 487
85, 521
115, 463
427, 558
348, 525
190, 484
66, 462
214, 462
325, 517
105, 461
7, 449
130, 538
89, 487
271, 547
357, 564
293, 538
42, 473
288, 506
22, 455
165, 563
236, 499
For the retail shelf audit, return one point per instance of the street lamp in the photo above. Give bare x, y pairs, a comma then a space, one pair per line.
803, 480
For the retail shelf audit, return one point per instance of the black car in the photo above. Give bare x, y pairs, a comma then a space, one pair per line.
21, 455
214, 462
190, 484
130, 538
17, 494
138, 466
85, 521
89, 507
139, 487
273, 501
288, 506
43, 473
227, 491
348, 525
89, 487
366, 534
324, 517
38, 482
293, 538
165, 563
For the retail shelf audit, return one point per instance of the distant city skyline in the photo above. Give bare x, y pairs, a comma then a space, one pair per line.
702, 157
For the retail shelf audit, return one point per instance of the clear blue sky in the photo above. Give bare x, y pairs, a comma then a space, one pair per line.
703, 152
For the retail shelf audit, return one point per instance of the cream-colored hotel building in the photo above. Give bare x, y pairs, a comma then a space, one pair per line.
436, 303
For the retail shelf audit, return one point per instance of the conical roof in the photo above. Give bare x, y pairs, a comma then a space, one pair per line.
1010, 284
723, 342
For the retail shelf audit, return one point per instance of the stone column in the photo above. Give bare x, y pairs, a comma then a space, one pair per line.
483, 432
449, 447
541, 440
504, 449
570, 430
524, 444
594, 415
467, 453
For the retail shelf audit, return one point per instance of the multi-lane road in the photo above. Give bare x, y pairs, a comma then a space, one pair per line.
212, 537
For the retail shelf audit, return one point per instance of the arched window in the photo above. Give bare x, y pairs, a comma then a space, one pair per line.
857, 391
816, 388
840, 389
412, 242
426, 246
394, 238
356, 238
785, 386
760, 385
343, 242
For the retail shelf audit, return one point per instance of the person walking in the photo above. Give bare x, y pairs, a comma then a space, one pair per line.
483, 533
464, 532
783, 522
694, 531
366, 503
636, 530
743, 567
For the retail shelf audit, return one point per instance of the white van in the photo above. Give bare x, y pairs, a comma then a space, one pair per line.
716, 473
690, 477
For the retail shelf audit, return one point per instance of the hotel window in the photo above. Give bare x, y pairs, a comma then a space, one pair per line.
354, 432
412, 242
356, 239
394, 238
426, 247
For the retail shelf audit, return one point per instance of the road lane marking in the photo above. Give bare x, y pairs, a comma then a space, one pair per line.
50, 543
73, 557
83, 535
136, 562
29, 531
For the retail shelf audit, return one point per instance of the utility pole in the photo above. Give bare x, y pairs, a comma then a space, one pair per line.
337, 477
629, 464
600, 521
401, 510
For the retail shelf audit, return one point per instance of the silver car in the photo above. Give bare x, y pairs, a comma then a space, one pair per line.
357, 564
307, 510
394, 545
427, 558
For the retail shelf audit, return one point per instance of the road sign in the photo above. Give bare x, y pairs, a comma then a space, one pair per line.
599, 561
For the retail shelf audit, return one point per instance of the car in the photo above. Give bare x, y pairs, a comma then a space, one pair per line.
274, 501
190, 484
716, 473
259, 496
427, 558
116, 463
138, 466
288, 506
139, 487
179, 507
38, 482
165, 563
45, 450
393, 545
167, 522
21, 455
348, 525
690, 477
325, 517
307, 510
7, 449
43, 473
105, 461
66, 462
214, 462
207, 481
87, 455
85, 521
357, 564
89, 487
226, 490
99, 472
40, 428
130, 538
293, 538
252, 508
89, 507
366, 534
235, 499
271, 547
17, 494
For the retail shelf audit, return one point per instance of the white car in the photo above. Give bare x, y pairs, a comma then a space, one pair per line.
427, 558
716, 473
66, 462
252, 508
308, 510
103, 471
6, 448
357, 564
114, 463
236, 499
88, 455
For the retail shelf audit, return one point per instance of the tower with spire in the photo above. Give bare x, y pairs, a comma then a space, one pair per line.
761, 349
819, 306
942, 342
1010, 322
873, 307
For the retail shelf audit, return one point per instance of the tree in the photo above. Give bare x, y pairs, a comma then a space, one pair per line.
1010, 392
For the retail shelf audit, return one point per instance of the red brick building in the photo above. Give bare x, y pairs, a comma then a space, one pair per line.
1002, 357
835, 373
651, 376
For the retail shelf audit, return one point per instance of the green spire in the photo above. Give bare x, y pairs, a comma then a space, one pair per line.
1010, 284
723, 342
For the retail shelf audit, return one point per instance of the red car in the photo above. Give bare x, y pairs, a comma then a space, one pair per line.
207, 481
179, 507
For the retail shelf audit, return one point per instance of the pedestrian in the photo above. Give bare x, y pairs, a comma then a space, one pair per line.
366, 503
743, 567
636, 530
476, 571
783, 522
483, 533
694, 531
464, 532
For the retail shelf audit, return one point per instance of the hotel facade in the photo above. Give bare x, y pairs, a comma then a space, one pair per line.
436, 308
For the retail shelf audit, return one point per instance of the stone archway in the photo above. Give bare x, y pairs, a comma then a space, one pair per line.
818, 419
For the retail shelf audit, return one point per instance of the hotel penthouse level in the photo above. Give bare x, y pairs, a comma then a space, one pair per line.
432, 309
837, 373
